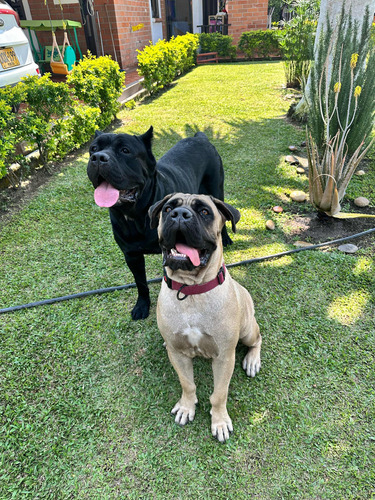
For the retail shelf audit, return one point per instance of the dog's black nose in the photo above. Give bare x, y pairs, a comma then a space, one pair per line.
181, 214
100, 157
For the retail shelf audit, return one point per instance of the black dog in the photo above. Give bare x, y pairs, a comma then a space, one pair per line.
128, 180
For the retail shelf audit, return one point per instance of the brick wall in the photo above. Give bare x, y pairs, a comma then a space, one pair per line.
118, 17
246, 15
72, 12
127, 15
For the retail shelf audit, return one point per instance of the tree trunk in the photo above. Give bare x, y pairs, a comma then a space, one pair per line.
332, 9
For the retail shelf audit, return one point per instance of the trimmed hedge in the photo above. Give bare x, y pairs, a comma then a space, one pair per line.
52, 116
98, 82
217, 42
161, 63
261, 43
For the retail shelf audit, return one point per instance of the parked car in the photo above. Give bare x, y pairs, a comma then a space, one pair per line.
16, 59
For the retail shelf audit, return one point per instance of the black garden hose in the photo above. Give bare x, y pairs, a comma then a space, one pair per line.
157, 280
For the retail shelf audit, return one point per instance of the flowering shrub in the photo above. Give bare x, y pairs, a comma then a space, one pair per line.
342, 107
352, 65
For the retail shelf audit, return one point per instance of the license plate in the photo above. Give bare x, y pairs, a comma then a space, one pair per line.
8, 58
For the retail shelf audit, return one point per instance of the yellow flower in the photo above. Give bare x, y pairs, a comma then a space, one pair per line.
357, 91
337, 87
353, 61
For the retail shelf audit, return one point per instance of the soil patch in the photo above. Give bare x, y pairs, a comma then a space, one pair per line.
319, 228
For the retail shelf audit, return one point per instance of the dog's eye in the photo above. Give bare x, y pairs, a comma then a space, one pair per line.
204, 212
167, 209
94, 148
125, 150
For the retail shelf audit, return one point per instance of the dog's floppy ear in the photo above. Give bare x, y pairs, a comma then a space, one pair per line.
228, 212
98, 132
154, 211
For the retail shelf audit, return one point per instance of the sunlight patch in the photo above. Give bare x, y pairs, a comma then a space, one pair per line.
347, 309
363, 265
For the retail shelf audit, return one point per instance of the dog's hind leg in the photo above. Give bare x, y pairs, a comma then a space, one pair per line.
136, 263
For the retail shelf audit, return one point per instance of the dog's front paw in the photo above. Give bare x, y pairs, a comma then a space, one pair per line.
141, 309
251, 363
184, 413
221, 427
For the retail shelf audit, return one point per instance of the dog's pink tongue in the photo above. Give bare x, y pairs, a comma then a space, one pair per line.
106, 195
192, 253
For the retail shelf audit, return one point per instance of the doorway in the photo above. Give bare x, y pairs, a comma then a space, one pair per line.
179, 17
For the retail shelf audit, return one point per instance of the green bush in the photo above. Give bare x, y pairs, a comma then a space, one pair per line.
217, 42
47, 104
297, 42
50, 119
98, 82
261, 43
159, 64
76, 129
185, 51
7, 136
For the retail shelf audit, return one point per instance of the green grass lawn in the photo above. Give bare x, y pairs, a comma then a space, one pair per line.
86, 393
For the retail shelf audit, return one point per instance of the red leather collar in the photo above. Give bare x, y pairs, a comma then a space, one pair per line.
195, 289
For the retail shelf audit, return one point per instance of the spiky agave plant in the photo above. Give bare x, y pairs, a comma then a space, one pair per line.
329, 176
330, 172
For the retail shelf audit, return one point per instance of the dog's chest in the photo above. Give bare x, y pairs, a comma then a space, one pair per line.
193, 342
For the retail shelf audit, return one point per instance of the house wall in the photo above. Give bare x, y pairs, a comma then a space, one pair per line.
246, 15
119, 17
72, 12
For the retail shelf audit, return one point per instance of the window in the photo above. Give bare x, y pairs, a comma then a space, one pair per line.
155, 8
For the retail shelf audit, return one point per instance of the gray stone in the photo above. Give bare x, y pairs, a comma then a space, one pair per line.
348, 248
